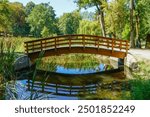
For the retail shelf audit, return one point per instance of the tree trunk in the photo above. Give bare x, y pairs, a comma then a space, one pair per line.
102, 23
101, 17
132, 40
138, 41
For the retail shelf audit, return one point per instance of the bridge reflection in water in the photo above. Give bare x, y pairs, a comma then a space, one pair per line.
75, 85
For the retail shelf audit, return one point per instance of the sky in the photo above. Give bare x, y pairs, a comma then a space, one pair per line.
60, 6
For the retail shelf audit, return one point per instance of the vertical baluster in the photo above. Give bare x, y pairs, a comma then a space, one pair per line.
83, 40
127, 46
55, 44
120, 45
43, 86
56, 88
41, 45
98, 43
32, 46
27, 48
45, 45
112, 45
95, 41
70, 89
69, 42
107, 43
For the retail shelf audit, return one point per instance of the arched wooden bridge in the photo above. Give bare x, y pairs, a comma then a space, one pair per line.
77, 44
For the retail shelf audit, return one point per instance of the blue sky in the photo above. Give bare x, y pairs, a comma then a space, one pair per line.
60, 6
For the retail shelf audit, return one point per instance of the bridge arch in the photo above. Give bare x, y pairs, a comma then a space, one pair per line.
66, 44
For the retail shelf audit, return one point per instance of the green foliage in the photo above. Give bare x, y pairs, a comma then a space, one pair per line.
87, 3
30, 5
99, 4
140, 85
19, 25
40, 20
126, 32
142, 10
116, 19
89, 27
42, 15
140, 89
5, 16
69, 23
88, 15
7, 58
45, 32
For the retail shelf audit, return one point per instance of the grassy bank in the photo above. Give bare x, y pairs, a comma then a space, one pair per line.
17, 41
140, 85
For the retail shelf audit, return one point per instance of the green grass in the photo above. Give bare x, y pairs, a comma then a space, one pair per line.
18, 42
140, 85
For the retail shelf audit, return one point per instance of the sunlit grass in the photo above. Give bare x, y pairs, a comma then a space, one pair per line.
18, 42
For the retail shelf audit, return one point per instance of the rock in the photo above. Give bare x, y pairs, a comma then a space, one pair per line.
22, 62
131, 62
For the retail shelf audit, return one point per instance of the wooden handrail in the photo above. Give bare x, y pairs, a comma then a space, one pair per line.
79, 35
71, 41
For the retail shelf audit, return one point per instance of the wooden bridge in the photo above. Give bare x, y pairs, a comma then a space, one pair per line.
77, 44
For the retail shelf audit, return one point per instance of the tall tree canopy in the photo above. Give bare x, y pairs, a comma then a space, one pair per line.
5, 16
69, 23
116, 19
99, 5
42, 16
19, 26
29, 6
89, 27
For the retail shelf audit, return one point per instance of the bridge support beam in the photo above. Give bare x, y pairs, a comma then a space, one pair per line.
121, 63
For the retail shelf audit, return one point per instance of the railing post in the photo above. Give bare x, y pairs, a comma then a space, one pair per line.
120, 45
55, 44
69, 42
33, 47
98, 43
45, 45
41, 46
107, 43
70, 89
83, 40
56, 88
112, 45
126, 47
27, 48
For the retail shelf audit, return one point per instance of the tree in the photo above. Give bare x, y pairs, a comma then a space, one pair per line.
99, 5
141, 14
69, 23
87, 15
29, 6
42, 15
89, 27
116, 18
139, 10
132, 41
19, 25
45, 32
5, 17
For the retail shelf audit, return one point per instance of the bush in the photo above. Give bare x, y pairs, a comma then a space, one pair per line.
140, 89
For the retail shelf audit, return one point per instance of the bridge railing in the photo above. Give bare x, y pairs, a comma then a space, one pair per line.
71, 41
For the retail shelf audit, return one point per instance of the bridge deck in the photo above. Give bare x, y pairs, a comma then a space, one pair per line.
77, 44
